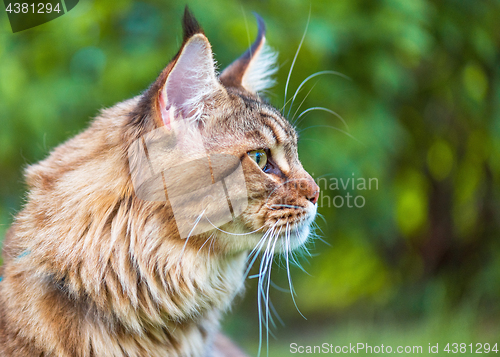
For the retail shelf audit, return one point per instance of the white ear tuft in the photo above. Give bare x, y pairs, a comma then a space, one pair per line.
191, 83
259, 74
254, 69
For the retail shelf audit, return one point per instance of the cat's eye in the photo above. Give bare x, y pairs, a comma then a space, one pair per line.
260, 158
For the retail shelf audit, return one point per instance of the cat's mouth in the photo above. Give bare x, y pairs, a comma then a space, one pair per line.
278, 232
291, 233
293, 238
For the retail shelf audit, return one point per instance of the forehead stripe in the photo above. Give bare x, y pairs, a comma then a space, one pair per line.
276, 115
279, 151
278, 130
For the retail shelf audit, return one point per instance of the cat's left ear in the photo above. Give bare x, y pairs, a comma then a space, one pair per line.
191, 81
253, 71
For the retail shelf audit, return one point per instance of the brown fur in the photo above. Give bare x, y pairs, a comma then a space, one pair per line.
91, 270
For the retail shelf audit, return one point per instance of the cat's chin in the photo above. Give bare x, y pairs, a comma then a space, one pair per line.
295, 239
288, 239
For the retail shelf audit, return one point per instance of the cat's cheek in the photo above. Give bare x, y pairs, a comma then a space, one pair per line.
312, 211
302, 234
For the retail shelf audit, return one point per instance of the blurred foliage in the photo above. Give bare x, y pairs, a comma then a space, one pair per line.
422, 109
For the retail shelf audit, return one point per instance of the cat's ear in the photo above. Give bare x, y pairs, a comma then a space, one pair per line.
254, 69
190, 80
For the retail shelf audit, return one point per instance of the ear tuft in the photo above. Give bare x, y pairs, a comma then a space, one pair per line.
253, 71
189, 24
259, 74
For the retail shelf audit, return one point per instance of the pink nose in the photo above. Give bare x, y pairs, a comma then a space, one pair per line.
313, 193
309, 189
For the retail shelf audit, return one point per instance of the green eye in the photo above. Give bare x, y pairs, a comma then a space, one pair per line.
260, 158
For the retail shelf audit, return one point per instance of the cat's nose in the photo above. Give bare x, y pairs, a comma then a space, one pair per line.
314, 197
311, 191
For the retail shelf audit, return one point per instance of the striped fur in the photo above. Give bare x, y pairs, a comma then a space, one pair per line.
92, 270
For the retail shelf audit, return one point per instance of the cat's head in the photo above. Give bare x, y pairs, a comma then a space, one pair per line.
224, 159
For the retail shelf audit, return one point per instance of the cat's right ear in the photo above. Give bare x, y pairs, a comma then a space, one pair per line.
189, 82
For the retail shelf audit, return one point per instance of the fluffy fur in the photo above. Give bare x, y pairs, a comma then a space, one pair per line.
90, 269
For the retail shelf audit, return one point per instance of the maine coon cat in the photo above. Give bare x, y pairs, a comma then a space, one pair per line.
135, 235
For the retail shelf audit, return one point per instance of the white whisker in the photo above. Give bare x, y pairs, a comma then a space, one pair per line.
287, 251
300, 105
286, 206
282, 110
279, 288
295, 58
267, 282
334, 128
311, 77
234, 234
325, 110
252, 262
260, 288
210, 246
246, 27
211, 237
189, 235
273, 310
316, 227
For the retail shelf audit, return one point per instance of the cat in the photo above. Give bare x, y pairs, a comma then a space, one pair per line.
136, 233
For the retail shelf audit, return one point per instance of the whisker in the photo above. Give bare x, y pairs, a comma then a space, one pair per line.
211, 246
325, 110
259, 275
266, 234
300, 105
294, 261
327, 174
268, 286
317, 236
287, 250
275, 312
282, 110
246, 27
256, 250
334, 128
260, 288
234, 234
286, 206
258, 246
211, 237
311, 77
322, 240
279, 288
189, 235
196, 223
317, 227
295, 58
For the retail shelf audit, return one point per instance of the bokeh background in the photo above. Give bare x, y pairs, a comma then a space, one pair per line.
419, 263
